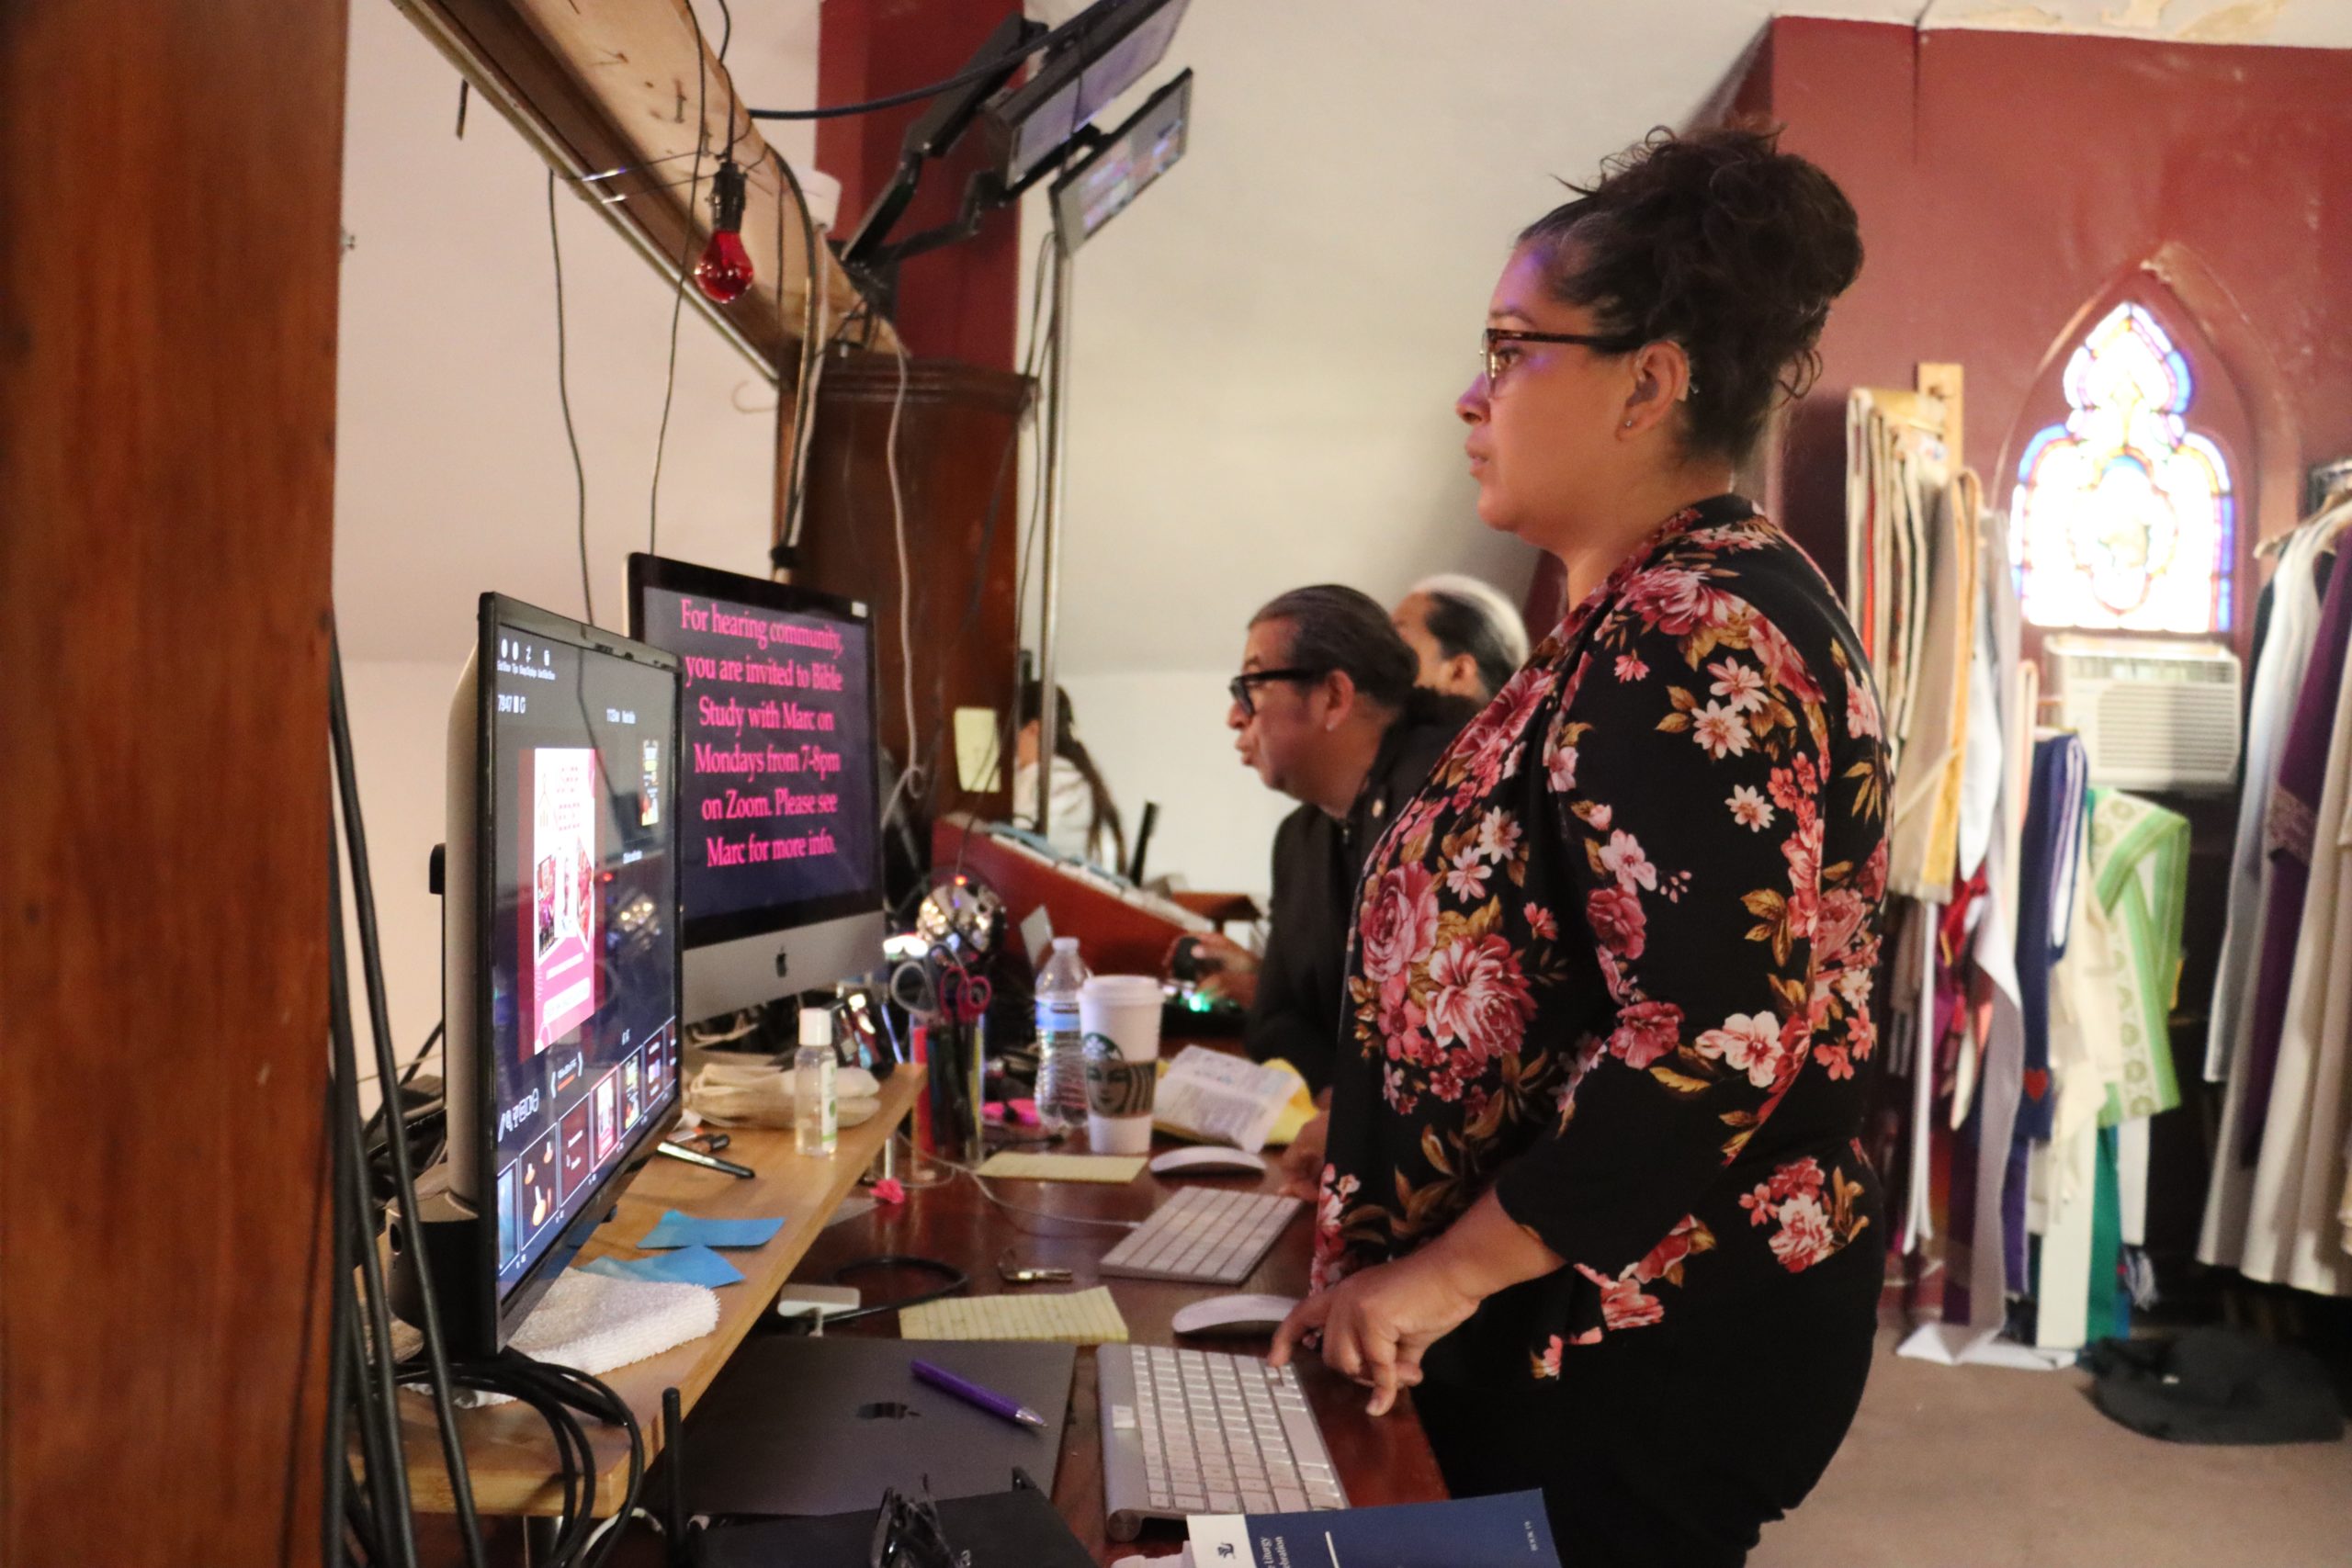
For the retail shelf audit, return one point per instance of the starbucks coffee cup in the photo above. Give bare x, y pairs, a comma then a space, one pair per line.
1119, 1016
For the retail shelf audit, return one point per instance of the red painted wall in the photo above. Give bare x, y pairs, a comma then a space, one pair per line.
2003, 180
957, 303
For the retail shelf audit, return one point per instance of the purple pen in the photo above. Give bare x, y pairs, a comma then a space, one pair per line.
971, 1393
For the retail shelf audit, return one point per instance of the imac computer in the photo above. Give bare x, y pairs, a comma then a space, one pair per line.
560, 925
778, 786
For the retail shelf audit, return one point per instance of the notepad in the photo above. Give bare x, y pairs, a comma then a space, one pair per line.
1011, 1166
1064, 1317
1110, 1169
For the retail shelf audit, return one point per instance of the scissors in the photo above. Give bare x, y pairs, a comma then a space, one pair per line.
965, 996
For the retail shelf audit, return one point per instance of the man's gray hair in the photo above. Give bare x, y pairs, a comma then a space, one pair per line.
1467, 615
1332, 628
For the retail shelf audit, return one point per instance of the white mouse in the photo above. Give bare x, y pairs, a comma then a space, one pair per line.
1233, 1314
1207, 1160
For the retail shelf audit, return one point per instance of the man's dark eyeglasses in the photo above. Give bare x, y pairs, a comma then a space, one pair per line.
906, 1534
1241, 684
1499, 338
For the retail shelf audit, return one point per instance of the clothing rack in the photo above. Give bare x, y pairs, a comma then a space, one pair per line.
2017, 948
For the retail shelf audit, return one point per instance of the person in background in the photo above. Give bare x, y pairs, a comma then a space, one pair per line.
1326, 711
1466, 635
1085, 821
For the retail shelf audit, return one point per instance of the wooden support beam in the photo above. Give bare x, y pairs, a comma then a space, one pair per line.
600, 86
170, 182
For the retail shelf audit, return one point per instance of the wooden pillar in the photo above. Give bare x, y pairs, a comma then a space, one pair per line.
170, 190
961, 302
958, 476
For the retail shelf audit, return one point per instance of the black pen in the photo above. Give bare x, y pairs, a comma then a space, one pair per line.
708, 1162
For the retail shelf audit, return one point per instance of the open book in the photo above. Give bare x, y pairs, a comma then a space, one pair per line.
1222, 1098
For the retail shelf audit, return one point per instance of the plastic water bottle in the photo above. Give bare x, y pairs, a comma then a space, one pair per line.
816, 1099
1062, 1045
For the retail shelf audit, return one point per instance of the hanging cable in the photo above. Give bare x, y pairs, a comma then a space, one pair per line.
906, 591
963, 78
686, 262
363, 893
563, 396
812, 362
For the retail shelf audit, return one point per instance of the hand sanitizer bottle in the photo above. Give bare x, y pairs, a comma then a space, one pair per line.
815, 1103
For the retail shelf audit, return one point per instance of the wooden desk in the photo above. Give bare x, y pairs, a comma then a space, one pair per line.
1383, 1461
510, 1454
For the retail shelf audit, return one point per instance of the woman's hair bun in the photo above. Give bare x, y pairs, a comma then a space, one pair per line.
1722, 243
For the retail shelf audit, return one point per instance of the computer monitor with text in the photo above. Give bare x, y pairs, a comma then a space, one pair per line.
779, 785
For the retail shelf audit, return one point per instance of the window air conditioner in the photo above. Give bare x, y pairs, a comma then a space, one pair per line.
2152, 715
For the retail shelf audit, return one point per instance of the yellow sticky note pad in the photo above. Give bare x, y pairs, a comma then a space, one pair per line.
1064, 1317
1010, 1165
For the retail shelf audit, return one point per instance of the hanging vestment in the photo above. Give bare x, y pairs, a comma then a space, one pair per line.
2139, 868
2049, 854
2276, 1221
2289, 831
2286, 647
1923, 832
2054, 825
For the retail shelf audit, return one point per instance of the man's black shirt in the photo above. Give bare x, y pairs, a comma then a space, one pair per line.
1317, 859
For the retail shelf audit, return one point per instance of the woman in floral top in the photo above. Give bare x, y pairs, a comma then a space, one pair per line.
1591, 1182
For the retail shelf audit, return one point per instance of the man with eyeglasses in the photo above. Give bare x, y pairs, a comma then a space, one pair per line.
1326, 711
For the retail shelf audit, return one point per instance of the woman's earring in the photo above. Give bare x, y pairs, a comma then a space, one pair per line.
1629, 425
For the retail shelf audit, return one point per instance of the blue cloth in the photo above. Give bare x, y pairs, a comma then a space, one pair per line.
675, 1229
688, 1266
2049, 858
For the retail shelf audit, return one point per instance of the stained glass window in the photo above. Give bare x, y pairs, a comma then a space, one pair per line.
2124, 518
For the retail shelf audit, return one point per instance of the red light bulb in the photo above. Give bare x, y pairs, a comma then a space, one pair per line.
725, 269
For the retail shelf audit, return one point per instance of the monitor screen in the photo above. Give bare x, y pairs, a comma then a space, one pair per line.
1138, 152
579, 836
779, 791
1114, 51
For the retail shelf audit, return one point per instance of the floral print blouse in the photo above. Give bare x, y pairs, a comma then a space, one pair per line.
1614, 960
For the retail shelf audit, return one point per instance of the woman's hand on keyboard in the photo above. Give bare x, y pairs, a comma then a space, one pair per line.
1376, 1323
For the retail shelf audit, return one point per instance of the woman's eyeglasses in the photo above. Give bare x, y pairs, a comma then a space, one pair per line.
1499, 357
1242, 685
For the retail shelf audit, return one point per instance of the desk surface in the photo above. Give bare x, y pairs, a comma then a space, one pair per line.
511, 1457
1383, 1461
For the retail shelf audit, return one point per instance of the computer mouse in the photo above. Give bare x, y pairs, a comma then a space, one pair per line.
1233, 1314
1208, 1159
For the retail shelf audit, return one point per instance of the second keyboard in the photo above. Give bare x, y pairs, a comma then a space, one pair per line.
1204, 1235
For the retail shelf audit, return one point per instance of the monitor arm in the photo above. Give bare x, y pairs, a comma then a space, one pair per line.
932, 135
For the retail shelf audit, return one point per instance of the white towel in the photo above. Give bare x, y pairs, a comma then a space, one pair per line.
592, 1323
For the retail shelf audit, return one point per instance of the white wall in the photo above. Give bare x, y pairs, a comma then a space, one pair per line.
1267, 346
1161, 736
452, 471
399, 711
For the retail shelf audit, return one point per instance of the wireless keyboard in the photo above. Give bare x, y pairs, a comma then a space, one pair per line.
1204, 1235
1200, 1432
